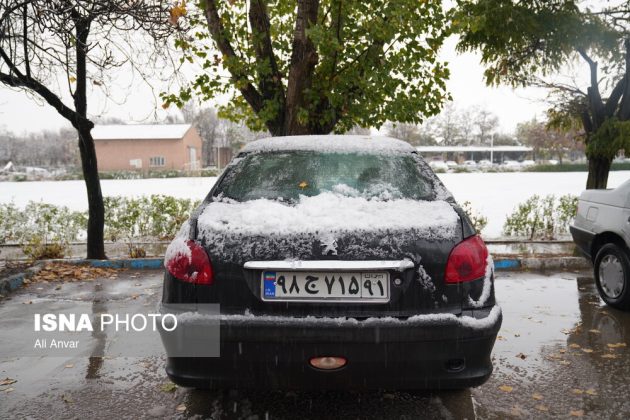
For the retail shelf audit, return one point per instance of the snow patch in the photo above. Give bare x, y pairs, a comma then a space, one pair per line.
331, 143
416, 320
329, 244
179, 246
425, 279
487, 285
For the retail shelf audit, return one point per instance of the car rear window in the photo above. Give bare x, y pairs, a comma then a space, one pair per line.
287, 175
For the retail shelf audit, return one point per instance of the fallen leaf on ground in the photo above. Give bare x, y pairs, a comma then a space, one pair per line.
576, 413
7, 381
506, 388
594, 331
574, 346
542, 407
609, 356
537, 396
521, 356
565, 362
577, 391
66, 399
69, 365
587, 350
181, 407
616, 345
8, 390
169, 387
591, 391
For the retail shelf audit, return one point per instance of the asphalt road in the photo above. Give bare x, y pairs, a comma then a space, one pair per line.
561, 353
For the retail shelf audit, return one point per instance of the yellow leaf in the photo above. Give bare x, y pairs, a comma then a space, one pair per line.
587, 350
541, 407
616, 345
609, 356
537, 396
574, 346
506, 388
72, 79
577, 391
303, 185
576, 413
591, 391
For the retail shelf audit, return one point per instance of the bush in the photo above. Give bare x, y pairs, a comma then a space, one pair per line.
478, 220
45, 230
541, 217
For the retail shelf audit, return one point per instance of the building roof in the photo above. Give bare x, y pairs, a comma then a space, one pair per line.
464, 149
330, 143
139, 131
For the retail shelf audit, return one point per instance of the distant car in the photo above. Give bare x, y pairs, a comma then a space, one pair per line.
485, 163
601, 230
451, 164
552, 162
470, 164
338, 262
511, 165
527, 163
438, 165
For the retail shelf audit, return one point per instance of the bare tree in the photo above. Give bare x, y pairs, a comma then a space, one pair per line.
59, 48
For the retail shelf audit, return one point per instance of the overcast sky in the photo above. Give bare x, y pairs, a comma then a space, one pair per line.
134, 101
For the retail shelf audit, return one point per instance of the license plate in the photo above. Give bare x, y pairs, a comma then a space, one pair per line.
371, 287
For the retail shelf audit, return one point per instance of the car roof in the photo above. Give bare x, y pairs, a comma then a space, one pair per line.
331, 143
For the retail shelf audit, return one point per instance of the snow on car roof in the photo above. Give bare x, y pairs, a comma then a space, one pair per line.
330, 143
139, 131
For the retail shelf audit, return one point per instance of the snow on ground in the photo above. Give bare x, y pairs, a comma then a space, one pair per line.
495, 195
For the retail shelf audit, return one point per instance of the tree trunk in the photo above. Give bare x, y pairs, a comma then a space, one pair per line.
598, 169
96, 220
96, 209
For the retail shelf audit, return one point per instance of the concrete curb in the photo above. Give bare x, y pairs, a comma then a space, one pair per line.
15, 281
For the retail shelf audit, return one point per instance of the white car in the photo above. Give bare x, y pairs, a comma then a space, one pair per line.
485, 163
527, 163
451, 164
470, 164
511, 165
438, 165
601, 230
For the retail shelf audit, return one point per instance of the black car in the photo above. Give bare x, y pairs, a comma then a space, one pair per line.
338, 262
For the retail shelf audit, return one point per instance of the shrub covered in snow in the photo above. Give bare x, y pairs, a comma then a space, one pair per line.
542, 217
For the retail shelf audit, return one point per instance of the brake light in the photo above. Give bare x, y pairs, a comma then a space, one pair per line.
189, 262
467, 261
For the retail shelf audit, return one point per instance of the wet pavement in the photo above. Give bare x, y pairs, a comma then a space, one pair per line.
561, 353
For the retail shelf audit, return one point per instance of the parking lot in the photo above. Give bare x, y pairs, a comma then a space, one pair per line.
560, 353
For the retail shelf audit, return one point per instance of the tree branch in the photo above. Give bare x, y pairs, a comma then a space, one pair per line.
624, 109
270, 85
233, 62
595, 98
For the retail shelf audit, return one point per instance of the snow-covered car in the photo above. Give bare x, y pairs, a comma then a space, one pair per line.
485, 163
601, 230
511, 165
528, 163
451, 164
438, 165
470, 164
338, 262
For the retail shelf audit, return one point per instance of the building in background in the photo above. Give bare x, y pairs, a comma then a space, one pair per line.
147, 147
498, 154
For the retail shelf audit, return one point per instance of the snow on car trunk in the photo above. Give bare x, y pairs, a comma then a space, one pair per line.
346, 227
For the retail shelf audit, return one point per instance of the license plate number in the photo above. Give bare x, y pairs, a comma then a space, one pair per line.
325, 286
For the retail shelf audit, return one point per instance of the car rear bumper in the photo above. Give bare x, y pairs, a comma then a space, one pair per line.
426, 352
583, 240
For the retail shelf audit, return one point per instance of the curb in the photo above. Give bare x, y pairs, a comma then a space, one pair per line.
16, 281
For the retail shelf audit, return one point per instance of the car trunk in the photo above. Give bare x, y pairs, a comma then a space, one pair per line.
414, 290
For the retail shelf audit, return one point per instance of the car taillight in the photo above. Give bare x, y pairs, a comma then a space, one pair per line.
192, 265
467, 261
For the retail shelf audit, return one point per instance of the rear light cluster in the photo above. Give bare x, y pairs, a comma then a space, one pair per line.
467, 262
190, 263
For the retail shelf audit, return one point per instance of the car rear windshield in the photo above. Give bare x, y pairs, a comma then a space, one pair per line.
287, 175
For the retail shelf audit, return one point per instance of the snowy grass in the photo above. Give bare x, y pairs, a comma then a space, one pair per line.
495, 195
